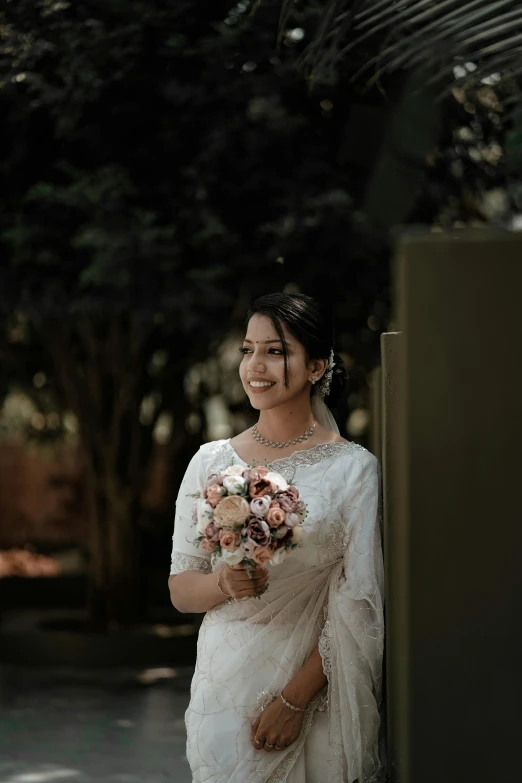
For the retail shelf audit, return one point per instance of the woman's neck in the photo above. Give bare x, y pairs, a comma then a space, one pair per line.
285, 422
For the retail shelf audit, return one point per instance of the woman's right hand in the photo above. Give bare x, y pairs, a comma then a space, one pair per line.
236, 582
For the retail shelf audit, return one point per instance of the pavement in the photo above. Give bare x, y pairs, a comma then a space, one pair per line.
87, 726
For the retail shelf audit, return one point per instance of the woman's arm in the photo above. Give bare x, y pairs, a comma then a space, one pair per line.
279, 726
307, 683
194, 592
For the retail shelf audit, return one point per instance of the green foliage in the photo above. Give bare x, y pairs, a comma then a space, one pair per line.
159, 158
386, 36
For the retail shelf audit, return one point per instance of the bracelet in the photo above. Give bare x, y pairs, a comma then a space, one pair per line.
292, 707
219, 585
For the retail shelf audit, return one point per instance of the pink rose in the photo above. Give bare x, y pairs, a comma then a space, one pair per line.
212, 533
276, 516
260, 506
258, 531
293, 492
288, 500
231, 511
229, 540
259, 488
207, 546
262, 554
214, 494
214, 478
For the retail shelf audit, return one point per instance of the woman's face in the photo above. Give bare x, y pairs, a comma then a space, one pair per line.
262, 370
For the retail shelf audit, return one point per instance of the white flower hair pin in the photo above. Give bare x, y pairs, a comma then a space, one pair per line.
326, 381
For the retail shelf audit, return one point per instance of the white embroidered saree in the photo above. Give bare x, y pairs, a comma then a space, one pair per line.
328, 592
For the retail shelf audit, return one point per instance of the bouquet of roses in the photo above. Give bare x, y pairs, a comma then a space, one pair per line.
251, 515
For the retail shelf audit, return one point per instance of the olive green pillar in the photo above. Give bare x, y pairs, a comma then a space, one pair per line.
376, 403
452, 446
395, 545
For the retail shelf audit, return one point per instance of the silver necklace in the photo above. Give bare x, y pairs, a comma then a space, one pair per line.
281, 444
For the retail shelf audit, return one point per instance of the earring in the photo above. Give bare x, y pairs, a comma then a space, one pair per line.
313, 379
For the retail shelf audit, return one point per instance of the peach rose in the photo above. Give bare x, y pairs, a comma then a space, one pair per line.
297, 534
262, 554
231, 511
208, 546
260, 487
214, 494
276, 516
229, 540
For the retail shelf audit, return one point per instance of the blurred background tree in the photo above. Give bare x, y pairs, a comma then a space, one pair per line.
160, 169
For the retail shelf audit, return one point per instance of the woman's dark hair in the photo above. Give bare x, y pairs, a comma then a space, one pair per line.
310, 324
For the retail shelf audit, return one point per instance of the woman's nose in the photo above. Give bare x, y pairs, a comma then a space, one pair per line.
257, 362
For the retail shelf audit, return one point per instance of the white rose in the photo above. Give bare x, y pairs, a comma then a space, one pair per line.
235, 485
297, 534
292, 520
234, 470
277, 481
232, 558
278, 556
205, 515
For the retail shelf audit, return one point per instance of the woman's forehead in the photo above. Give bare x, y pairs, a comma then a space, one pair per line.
261, 330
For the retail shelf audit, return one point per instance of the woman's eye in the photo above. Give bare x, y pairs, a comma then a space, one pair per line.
275, 351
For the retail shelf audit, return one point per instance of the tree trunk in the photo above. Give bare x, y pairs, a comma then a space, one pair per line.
101, 370
115, 596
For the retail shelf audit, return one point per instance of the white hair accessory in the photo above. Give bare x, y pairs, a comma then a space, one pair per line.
324, 386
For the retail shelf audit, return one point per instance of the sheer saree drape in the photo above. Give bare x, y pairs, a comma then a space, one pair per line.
328, 593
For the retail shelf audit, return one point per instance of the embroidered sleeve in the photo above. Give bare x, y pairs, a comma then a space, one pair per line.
186, 555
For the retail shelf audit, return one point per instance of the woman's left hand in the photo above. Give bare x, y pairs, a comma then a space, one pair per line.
277, 727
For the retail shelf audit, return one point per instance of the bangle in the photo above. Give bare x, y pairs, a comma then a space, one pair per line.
219, 585
292, 706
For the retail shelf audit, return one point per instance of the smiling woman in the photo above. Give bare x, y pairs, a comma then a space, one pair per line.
288, 675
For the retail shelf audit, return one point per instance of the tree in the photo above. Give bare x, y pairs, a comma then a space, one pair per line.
160, 169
